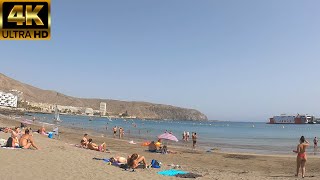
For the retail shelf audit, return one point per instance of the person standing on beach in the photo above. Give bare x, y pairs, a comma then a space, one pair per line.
302, 156
194, 140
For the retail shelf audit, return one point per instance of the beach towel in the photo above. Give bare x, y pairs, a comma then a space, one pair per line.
188, 175
171, 172
12, 148
102, 159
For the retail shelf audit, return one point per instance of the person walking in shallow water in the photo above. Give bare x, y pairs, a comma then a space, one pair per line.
301, 156
114, 131
315, 143
194, 140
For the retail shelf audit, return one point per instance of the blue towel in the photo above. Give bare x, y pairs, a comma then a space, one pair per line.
171, 172
106, 160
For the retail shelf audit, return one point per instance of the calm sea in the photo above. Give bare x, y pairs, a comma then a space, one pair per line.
256, 137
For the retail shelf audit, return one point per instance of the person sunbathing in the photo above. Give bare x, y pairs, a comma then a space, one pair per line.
135, 159
26, 140
93, 146
152, 147
42, 131
13, 140
84, 141
118, 159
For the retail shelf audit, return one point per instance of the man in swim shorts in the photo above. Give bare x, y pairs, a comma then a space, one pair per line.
194, 140
114, 131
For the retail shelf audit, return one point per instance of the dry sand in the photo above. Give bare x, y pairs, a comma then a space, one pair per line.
57, 159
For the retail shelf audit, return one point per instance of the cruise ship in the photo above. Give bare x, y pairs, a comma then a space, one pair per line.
291, 119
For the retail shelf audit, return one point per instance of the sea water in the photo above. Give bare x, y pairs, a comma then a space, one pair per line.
251, 137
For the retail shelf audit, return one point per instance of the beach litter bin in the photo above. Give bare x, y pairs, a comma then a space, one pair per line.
50, 135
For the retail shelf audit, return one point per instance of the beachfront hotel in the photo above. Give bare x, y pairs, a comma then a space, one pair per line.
103, 108
8, 99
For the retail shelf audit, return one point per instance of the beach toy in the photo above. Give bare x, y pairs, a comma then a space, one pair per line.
50, 135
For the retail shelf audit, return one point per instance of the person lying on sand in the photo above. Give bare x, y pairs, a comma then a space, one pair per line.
135, 159
118, 159
93, 146
26, 140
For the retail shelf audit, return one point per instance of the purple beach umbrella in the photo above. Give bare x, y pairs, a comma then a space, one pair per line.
168, 136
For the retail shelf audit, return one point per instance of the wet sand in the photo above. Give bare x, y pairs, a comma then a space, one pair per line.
60, 159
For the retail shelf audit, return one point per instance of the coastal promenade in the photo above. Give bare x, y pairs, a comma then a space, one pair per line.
60, 159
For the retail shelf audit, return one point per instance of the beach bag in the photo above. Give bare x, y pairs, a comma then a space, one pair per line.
124, 166
155, 164
3, 142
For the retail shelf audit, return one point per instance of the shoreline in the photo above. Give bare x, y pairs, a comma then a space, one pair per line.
70, 131
212, 165
202, 146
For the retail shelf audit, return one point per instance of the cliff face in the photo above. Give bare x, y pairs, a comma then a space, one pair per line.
139, 109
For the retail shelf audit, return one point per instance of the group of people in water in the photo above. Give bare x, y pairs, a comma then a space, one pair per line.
120, 132
186, 136
20, 140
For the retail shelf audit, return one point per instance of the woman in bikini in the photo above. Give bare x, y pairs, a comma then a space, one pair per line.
135, 159
13, 141
93, 146
302, 156
26, 140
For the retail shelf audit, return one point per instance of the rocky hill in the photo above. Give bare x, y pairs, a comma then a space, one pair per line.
139, 109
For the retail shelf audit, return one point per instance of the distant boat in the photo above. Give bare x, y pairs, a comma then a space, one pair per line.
293, 119
90, 119
56, 115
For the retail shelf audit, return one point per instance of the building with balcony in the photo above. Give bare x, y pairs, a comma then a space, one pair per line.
103, 108
8, 99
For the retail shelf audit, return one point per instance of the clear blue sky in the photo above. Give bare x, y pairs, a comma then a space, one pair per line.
232, 60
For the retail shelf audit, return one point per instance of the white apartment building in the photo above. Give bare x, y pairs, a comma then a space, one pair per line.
103, 108
8, 99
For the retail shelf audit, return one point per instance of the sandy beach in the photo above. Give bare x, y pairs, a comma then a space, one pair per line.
60, 159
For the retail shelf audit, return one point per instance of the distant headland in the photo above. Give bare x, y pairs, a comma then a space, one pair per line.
33, 99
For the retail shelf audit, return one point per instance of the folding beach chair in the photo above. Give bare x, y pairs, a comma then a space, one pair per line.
56, 132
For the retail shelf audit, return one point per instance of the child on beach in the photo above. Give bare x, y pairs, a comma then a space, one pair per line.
302, 156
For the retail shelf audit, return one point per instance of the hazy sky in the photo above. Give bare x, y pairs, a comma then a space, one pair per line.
232, 60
